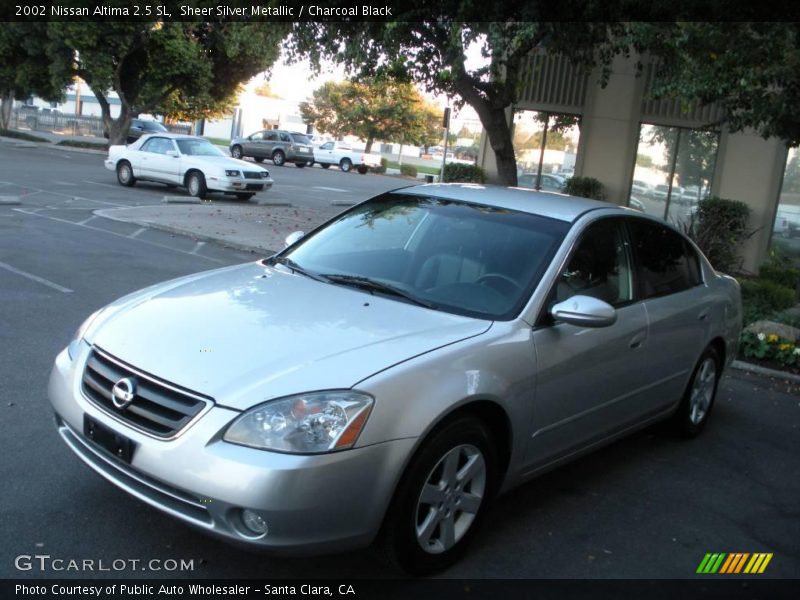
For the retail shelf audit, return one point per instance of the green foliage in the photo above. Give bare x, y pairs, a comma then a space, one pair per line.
780, 269
380, 169
585, 187
20, 135
718, 227
762, 298
373, 108
408, 170
769, 348
83, 144
464, 173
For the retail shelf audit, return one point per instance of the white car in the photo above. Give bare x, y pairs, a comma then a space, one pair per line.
342, 154
186, 161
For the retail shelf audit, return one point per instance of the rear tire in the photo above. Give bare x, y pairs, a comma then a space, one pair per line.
300, 165
692, 414
325, 165
441, 499
125, 174
196, 184
258, 159
363, 169
346, 164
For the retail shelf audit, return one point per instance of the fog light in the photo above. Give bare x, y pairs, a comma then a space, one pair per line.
254, 523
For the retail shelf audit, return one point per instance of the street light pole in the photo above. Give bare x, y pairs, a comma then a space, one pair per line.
446, 125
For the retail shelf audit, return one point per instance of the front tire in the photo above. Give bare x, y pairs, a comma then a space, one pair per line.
441, 498
236, 152
692, 414
196, 184
278, 158
346, 164
125, 174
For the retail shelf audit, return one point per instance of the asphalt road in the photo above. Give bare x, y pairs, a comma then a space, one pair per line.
645, 507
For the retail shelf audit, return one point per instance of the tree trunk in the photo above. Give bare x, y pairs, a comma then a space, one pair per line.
5, 109
117, 128
368, 149
400, 156
499, 133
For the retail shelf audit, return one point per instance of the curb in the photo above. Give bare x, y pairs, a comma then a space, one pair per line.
54, 145
759, 370
103, 212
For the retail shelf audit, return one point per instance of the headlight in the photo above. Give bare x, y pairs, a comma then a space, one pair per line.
304, 424
233, 173
265, 174
72, 349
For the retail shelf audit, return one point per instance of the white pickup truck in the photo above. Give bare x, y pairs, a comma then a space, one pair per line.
342, 154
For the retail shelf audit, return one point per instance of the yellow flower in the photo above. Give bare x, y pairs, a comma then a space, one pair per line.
772, 338
785, 347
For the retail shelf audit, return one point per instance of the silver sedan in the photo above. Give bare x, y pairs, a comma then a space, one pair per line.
384, 377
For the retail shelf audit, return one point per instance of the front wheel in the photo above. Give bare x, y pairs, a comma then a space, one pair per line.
196, 184
125, 174
278, 158
698, 400
236, 152
346, 164
441, 498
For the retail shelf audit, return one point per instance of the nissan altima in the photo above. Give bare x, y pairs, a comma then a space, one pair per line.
383, 377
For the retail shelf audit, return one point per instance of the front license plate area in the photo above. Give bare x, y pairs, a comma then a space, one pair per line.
109, 440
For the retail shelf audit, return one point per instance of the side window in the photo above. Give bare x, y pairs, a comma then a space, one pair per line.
599, 266
150, 145
157, 145
257, 137
327, 146
664, 265
271, 136
285, 138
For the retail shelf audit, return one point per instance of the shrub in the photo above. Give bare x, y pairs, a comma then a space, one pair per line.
779, 268
769, 347
409, 170
21, 135
464, 173
380, 168
585, 187
718, 227
761, 298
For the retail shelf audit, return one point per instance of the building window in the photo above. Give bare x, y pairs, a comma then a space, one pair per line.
786, 228
673, 172
545, 145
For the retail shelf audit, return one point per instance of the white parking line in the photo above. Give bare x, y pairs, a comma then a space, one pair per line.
35, 278
101, 230
64, 183
197, 247
116, 187
85, 221
329, 189
138, 232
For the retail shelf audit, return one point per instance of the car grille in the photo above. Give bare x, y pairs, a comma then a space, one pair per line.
254, 174
254, 186
158, 408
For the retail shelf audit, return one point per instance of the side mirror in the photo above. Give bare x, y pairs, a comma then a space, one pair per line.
172, 153
293, 238
584, 311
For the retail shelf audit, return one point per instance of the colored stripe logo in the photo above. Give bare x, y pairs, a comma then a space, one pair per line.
735, 562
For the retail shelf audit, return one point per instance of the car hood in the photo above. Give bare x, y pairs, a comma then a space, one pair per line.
250, 333
222, 162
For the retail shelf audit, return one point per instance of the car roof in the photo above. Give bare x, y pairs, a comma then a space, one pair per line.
547, 204
177, 136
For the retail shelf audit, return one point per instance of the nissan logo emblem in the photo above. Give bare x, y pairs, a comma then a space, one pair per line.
123, 392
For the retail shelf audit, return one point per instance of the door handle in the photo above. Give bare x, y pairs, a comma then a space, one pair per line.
636, 341
703, 315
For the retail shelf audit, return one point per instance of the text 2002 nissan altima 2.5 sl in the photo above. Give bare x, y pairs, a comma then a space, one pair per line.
383, 377
187, 161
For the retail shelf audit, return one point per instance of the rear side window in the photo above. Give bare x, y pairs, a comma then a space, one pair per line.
665, 262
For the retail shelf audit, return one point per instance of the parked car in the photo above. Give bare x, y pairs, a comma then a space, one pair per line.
186, 161
343, 155
549, 182
278, 146
140, 127
385, 376
641, 188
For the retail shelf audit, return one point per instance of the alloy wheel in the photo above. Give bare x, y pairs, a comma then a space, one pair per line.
702, 390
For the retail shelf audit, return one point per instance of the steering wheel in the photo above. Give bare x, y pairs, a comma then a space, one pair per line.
499, 277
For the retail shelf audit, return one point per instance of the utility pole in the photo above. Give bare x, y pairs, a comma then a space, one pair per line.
446, 125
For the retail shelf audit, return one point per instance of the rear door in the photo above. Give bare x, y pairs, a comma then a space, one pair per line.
677, 304
590, 381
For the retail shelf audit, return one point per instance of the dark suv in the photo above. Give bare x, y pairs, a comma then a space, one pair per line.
277, 145
140, 127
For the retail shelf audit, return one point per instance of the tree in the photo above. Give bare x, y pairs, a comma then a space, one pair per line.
373, 108
192, 69
751, 69
25, 68
265, 91
432, 52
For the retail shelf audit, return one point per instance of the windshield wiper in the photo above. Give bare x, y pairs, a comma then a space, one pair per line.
372, 285
288, 262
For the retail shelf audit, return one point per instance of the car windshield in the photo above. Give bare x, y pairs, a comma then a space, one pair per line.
458, 257
199, 148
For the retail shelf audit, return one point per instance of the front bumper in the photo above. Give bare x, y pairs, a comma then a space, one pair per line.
311, 503
239, 184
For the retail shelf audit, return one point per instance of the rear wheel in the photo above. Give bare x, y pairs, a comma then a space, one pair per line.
278, 157
300, 165
236, 152
698, 400
362, 169
196, 184
125, 173
258, 158
346, 164
325, 165
441, 498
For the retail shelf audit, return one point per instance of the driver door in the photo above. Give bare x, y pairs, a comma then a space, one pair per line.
589, 381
